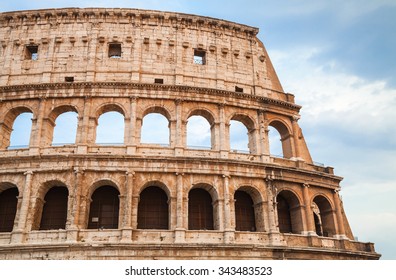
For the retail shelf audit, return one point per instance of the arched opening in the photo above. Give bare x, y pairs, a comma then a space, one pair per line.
21, 131
200, 210
242, 134
199, 135
325, 215
153, 209
8, 208
289, 213
155, 129
284, 217
280, 140
54, 213
104, 208
239, 138
275, 143
110, 130
65, 130
244, 212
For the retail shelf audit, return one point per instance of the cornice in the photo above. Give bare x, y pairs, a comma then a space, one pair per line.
121, 15
282, 173
145, 86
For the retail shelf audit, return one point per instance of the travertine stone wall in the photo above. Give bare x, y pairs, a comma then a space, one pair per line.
161, 45
73, 72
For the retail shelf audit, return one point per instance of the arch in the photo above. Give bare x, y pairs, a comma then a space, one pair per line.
202, 113
110, 128
285, 138
54, 213
104, 208
61, 126
110, 107
155, 129
244, 212
242, 133
289, 212
8, 206
200, 210
153, 208
199, 133
16, 128
324, 213
65, 130
157, 110
102, 182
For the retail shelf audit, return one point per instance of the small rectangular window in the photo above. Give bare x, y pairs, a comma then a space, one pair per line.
32, 52
238, 89
115, 50
199, 57
69, 79
158, 81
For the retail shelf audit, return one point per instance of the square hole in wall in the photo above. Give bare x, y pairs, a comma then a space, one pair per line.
31, 52
200, 57
158, 81
69, 79
114, 50
238, 89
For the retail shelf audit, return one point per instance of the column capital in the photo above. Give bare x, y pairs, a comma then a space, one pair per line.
295, 118
78, 170
130, 173
179, 174
29, 172
179, 101
306, 185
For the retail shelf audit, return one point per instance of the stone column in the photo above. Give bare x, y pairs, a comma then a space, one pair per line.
222, 131
274, 234
131, 140
340, 219
134, 210
37, 126
127, 219
296, 141
18, 235
229, 232
179, 135
309, 222
180, 231
83, 128
172, 133
5, 135
72, 224
264, 149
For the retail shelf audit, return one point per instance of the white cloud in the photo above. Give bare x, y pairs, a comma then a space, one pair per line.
327, 92
352, 121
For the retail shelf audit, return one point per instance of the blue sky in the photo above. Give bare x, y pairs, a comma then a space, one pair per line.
338, 58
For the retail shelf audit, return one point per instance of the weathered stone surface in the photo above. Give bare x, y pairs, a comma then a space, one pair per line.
71, 69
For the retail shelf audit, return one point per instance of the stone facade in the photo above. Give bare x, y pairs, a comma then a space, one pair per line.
137, 62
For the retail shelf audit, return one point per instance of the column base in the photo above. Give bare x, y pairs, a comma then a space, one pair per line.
229, 236
131, 150
82, 149
275, 239
72, 235
126, 235
180, 235
18, 236
179, 151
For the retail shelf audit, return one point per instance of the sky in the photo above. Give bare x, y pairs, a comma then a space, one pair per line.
338, 58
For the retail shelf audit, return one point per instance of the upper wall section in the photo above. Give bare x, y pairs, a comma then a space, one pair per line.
130, 45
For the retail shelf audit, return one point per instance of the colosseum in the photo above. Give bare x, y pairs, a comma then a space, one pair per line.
141, 200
